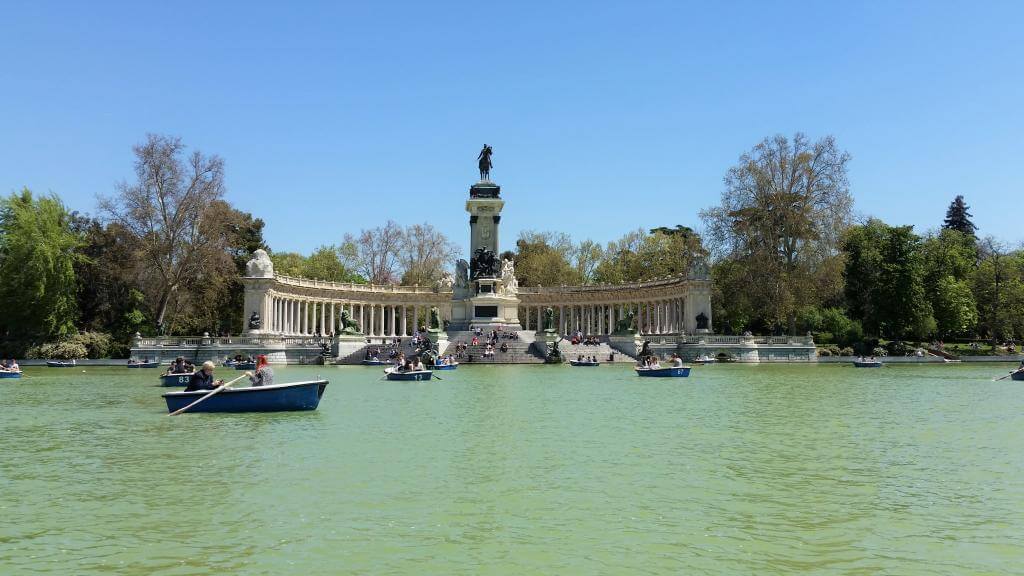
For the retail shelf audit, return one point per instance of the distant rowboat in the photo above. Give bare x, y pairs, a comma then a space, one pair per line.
583, 363
153, 364
273, 398
411, 375
245, 366
445, 366
61, 364
375, 362
669, 372
867, 364
175, 379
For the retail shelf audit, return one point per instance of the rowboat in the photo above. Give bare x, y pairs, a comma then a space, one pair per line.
61, 364
273, 398
9, 374
411, 375
445, 366
228, 363
175, 379
867, 363
670, 372
375, 362
245, 366
583, 363
1018, 375
705, 359
153, 364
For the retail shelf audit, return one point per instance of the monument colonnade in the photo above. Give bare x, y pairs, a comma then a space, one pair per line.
299, 306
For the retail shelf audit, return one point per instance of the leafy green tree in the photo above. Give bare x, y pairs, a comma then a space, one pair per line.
641, 255
543, 260
785, 205
107, 298
38, 253
999, 291
958, 218
903, 309
325, 264
862, 248
289, 263
955, 311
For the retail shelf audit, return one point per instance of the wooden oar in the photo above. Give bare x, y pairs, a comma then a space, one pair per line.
436, 376
1007, 376
215, 391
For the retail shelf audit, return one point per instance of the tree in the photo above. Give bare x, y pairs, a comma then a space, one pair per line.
955, 311
375, 253
586, 258
640, 255
38, 254
784, 208
999, 291
425, 254
542, 260
165, 209
108, 300
958, 218
903, 309
289, 264
325, 264
862, 248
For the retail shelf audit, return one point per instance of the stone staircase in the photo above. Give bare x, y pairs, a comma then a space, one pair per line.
357, 357
521, 351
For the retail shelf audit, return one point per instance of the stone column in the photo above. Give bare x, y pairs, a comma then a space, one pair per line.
415, 317
371, 320
405, 330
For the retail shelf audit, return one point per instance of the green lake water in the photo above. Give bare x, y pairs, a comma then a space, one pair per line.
738, 469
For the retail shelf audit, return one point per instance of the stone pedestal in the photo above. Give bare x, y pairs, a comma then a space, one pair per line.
347, 345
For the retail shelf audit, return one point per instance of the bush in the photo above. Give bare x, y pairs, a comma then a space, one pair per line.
824, 352
97, 344
899, 348
879, 352
63, 350
846, 351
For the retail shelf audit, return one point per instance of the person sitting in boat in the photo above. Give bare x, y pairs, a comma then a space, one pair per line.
179, 366
264, 374
677, 362
13, 365
203, 379
418, 366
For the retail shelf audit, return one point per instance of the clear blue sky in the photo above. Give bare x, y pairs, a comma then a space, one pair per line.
603, 116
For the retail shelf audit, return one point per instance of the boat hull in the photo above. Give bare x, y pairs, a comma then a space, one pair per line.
410, 376
54, 364
175, 379
1018, 375
375, 363
445, 367
245, 366
292, 397
857, 364
145, 365
663, 372
10, 374
583, 364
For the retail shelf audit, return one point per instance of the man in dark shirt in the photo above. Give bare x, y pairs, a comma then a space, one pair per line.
203, 379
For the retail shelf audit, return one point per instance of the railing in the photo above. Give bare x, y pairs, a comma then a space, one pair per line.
354, 287
737, 340
224, 341
660, 282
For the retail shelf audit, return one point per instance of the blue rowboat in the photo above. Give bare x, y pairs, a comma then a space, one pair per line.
867, 364
273, 398
669, 372
375, 363
143, 364
228, 363
1018, 375
60, 364
175, 379
8, 374
583, 363
413, 375
245, 366
445, 366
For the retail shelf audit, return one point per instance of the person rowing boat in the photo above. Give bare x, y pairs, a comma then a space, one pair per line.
203, 379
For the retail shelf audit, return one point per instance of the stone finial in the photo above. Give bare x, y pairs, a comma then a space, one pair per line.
260, 266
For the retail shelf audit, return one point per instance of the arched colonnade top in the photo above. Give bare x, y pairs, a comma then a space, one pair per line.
295, 306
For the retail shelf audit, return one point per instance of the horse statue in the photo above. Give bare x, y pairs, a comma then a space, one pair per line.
484, 162
348, 325
484, 264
